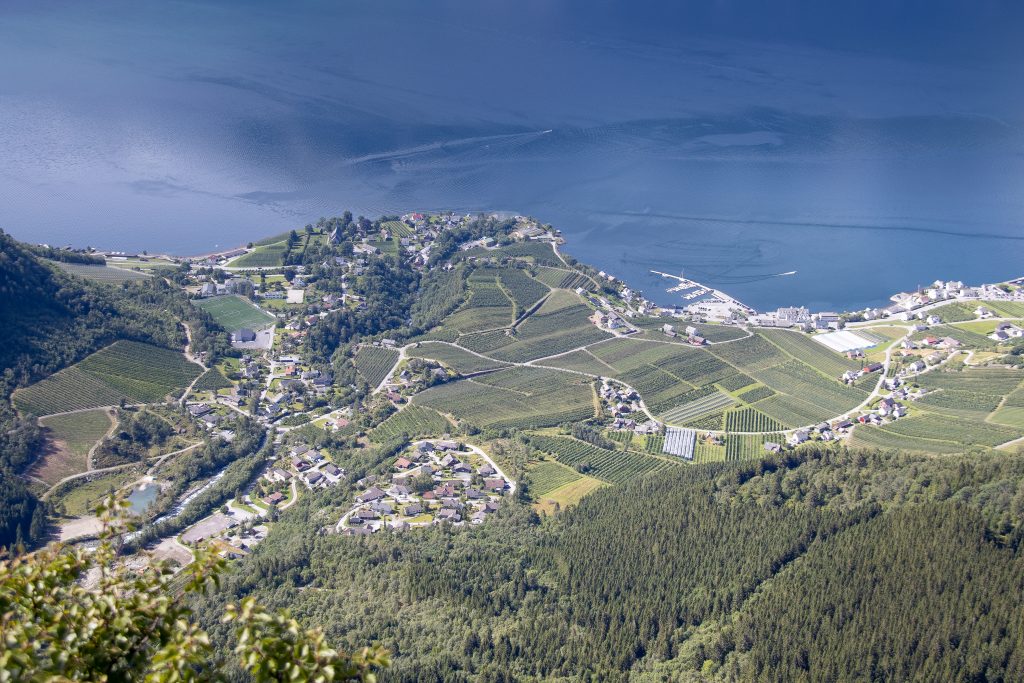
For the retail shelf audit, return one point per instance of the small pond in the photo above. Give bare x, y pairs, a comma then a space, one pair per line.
141, 498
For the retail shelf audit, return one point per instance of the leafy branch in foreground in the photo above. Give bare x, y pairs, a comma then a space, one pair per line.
70, 614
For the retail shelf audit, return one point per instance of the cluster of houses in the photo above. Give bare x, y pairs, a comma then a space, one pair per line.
1005, 331
205, 413
693, 335
905, 304
313, 468
434, 482
618, 400
417, 374
607, 319
851, 376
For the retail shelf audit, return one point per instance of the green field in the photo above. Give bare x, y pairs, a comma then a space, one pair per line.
83, 498
414, 422
957, 311
134, 372
459, 360
101, 273
1007, 309
487, 308
212, 380
712, 401
68, 441
397, 228
568, 494
1011, 416
962, 432
750, 420
547, 476
804, 348
374, 363
264, 256
562, 278
614, 467
559, 325
233, 312
516, 397
581, 361
521, 288
540, 253
865, 436
748, 447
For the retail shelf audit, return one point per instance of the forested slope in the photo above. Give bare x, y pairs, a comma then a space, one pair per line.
880, 565
50, 320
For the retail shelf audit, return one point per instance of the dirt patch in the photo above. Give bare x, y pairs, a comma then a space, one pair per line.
208, 527
169, 550
56, 461
82, 526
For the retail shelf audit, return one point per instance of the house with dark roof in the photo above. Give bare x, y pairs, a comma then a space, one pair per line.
370, 495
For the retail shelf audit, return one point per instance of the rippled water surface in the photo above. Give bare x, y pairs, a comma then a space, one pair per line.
730, 143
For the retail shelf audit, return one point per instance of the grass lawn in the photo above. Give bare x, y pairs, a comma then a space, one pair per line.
568, 495
83, 499
985, 327
264, 256
888, 331
234, 312
420, 519
68, 440
1011, 416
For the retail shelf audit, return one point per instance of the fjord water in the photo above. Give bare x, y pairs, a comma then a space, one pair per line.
869, 150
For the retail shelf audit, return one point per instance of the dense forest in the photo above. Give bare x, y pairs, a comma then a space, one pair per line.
781, 570
51, 320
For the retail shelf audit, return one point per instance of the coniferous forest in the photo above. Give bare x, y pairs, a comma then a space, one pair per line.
814, 566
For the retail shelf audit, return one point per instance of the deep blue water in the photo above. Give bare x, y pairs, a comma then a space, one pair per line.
870, 151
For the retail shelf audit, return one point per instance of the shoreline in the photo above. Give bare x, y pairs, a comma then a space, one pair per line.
712, 293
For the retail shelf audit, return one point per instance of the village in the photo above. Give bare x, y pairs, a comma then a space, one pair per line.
269, 306
433, 482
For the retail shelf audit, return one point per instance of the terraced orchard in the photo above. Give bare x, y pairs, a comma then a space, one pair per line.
413, 421
129, 371
515, 397
374, 363
614, 467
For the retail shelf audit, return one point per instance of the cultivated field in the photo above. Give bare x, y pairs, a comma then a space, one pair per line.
521, 288
712, 401
559, 325
547, 476
264, 256
134, 372
397, 228
487, 308
751, 420
100, 273
614, 467
747, 447
944, 428
68, 441
233, 312
818, 356
212, 380
874, 437
516, 397
568, 495
414, 422
374, 363
455, 358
